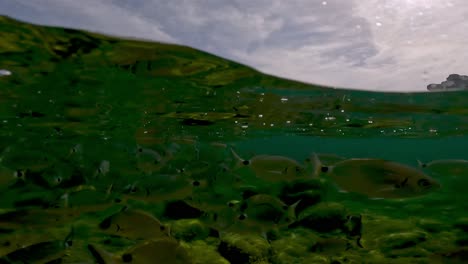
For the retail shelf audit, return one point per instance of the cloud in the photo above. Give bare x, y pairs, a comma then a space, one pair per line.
399, 45
102, 16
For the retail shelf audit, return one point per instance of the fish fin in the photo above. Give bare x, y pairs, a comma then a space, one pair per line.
292, 208
421, 164
239, 162
317, 164
101, 256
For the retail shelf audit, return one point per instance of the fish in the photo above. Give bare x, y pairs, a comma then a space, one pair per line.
449, 167
9, 176
103, 169
134, 224
149, 160
32, 247
25, 159
208, 200
160, 188
162, 250
327, 159
378, 178
258, 214
272, 168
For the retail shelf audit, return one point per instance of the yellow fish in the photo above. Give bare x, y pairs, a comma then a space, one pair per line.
259, 214
162, 250
272, 167
448, 167
377, 178
161, 188
134, 224
9, 176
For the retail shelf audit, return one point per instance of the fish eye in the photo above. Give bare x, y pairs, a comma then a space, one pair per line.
162, 228
19, 173
246, 162
196, 183
424, 183
324, 169
242, 217
298, 169
127, 257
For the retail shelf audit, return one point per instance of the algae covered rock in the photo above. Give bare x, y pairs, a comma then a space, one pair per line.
462, 224
189, 230
244, 248
431, 225
202, 253
324, 217
293, 248
401, 240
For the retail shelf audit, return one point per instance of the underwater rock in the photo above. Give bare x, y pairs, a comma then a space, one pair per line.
181, 210
324, 217
189, 230
244, 248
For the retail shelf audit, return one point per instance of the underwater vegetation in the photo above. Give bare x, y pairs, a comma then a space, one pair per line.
123, 151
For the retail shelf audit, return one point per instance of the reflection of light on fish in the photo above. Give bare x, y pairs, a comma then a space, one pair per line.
447, 167
272, 168
378, 178
134, 224
4, 72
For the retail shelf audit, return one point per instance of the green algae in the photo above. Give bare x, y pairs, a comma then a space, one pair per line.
82, 116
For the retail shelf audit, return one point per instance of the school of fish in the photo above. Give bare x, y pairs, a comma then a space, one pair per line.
133, 193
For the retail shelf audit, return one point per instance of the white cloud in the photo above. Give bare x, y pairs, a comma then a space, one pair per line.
101, 16
399, 45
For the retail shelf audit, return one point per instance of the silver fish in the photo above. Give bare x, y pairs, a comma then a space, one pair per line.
272, 167
377, 178
450, 167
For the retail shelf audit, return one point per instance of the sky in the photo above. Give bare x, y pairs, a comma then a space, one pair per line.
382, 45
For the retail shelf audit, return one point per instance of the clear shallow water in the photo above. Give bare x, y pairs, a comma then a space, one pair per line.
90, 118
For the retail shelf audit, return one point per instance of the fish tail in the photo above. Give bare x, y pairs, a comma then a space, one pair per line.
317, 165
421, 164
292, 208
239, 162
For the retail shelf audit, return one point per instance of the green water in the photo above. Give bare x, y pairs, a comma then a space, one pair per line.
82, 116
